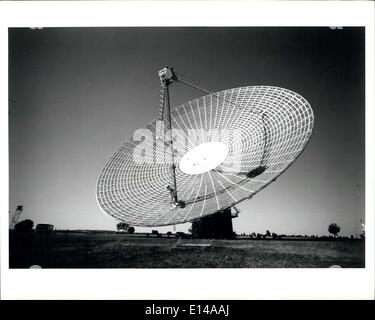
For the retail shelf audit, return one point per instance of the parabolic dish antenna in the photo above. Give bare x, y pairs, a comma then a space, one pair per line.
226, 147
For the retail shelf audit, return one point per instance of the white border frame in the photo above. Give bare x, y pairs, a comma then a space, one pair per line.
177, 283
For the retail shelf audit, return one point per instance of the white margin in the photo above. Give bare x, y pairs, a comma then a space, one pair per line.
189, 283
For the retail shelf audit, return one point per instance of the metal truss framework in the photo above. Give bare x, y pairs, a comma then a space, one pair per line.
136, 192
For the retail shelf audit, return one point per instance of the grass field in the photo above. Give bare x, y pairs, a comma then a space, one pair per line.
101, 250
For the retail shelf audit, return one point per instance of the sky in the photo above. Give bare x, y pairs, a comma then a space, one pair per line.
76, 94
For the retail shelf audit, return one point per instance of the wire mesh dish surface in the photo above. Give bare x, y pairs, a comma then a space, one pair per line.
265, 129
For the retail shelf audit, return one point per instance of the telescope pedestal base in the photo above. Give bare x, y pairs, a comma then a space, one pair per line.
216, 226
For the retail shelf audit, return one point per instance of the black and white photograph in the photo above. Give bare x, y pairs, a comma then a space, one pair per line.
254, 159
146, 151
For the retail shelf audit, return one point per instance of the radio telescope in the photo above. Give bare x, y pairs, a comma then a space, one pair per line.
212, 153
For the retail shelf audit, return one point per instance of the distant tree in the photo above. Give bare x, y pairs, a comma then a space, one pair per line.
24, 226
122, 226
274, 235
169, 233
334, 229
156, 232
268, 233
131, 230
